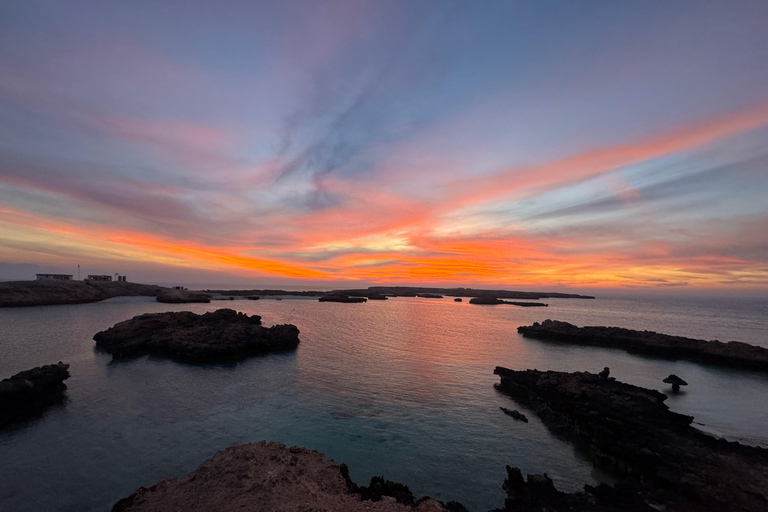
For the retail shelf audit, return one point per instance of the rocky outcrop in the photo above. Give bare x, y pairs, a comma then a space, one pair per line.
219, 335
413, 291
29, 393
490, 300
49, 293
515, 414
629, 431
429, 295
267, 477
733, 354
341, 298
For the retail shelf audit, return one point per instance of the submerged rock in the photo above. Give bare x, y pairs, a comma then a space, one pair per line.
30, 392
658, 456
271, 477
733, 354
218, 335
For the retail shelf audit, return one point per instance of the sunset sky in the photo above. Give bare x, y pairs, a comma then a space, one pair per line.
525, 145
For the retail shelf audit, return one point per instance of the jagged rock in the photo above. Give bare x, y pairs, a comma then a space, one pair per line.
218, 335
605, 373
657, 454
515, 414
733, 354
675, 381
30, 392
267, 477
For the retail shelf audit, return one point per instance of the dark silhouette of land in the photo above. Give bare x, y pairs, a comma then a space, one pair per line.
733, 354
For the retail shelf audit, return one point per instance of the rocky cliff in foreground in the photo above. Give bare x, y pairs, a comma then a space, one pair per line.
732, 354
29, 393
271, 477
663, 462
224, 334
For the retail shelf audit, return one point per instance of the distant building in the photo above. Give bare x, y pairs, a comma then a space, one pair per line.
97, 277
54, 277
179, 288
121, 278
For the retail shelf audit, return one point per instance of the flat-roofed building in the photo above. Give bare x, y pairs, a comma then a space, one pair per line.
97, 277
54, 277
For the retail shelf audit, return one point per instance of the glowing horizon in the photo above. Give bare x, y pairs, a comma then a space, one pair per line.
496, 145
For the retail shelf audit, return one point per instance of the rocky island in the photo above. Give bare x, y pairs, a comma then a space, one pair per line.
224, 334
270, 476
414, 291
48, 293
733, 354
662, 462
490, 300
338, 297
29, 393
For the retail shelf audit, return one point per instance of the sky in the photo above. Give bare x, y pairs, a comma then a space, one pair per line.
525, 145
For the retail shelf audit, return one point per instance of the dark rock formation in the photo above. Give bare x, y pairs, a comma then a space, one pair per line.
733, 354
605, 373
538, 494
253, 297
341, 298
412, 291
219, 335
29, 393
429, 295
270, 477
657, 454
675, 381
515, 414
171, 296
457, 299
377, 296
490, 300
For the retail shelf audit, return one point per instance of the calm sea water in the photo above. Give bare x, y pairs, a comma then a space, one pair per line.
402, 388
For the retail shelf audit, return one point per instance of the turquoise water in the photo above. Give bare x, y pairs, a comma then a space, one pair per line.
402, 387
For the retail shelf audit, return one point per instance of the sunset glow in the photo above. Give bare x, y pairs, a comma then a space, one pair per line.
387, 142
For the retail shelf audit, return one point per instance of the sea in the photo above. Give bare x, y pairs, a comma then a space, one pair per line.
402, 388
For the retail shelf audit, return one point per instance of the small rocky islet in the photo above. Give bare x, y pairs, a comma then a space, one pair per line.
733, 354
29, 393
218, 335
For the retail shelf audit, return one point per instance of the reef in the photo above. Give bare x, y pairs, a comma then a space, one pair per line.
661, 461
732, 354
224, 334
29, 393
515, 414
270, 477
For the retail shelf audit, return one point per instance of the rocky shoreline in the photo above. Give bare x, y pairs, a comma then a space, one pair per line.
51, 293
732, 354
27, 394
661, 460
224, 334
270, 477
490, 300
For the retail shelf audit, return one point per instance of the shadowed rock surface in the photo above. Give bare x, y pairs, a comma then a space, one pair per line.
271, 477
629, 431
218, 335
733, 354
48, 293
29, 393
